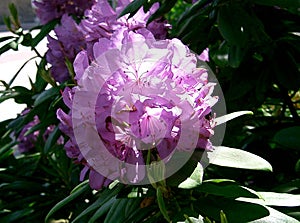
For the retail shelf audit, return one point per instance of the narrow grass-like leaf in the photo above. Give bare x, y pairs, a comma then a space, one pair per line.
74, 194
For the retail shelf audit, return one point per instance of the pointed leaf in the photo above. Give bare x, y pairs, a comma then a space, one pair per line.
74, 194
228, 117
194, 180
133, 7
275, 217
236, 158
45, 30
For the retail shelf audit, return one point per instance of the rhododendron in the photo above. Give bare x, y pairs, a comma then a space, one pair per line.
27, 141
66, 44
47, 10
139, 95
100, 21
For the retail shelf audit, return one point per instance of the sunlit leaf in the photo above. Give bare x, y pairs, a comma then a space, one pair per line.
276, 199
228, 117
236, 158
194, 180
275, 217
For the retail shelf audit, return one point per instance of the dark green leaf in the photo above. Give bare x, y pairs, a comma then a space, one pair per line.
121, 209
288, 137
14, 13
74, 194
4, 38
16, 215
52, 139
6, 150
7, 22
231, 24
161, 203
236, 211
5, 48
163, 9
45, 30
102, 210
226, 189
46, 95
288, 187
133, 7
236, 55
279, 3
106, 195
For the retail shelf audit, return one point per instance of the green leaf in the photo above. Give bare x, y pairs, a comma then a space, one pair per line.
231, 24
236, 158
6, 150
280, 3
236, 211
288, 187
161, 203
102, 210
132, 8
5, 48
43, 73
275, 217
280, 199
228, 117
121, 209
74, 194
4, 38
17, 215
105, 196
163, 9
45, 30
14, 13
223, 217
52, 139
288, 137
235, 56
194, 9
7, 22
226, 189
297, 166
45, 95
194, 180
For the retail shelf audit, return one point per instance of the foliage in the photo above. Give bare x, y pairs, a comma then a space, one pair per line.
253, 49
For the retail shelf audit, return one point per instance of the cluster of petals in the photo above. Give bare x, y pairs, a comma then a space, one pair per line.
27, 141
100, 20
47, 10
142, 94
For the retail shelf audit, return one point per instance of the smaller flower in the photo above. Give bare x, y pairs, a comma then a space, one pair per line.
27, 142
47, 10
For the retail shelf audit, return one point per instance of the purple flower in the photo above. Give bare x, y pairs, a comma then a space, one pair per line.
48, 10
138, 95
204, 56
65, 46
26, 142
102, 22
